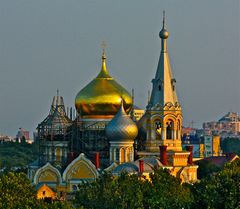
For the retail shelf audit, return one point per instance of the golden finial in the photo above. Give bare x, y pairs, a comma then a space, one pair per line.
103, 73
163, 33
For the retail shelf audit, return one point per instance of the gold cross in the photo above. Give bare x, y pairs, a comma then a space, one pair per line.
104, 45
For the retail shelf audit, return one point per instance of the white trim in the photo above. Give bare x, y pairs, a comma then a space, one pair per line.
45, 167
85, 161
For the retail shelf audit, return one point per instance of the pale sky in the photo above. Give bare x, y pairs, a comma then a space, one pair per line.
50, 44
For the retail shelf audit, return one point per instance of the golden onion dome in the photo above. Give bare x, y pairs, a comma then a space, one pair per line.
102, 96
121, 127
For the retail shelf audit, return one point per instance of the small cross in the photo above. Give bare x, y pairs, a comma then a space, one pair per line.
163, 17
104, 45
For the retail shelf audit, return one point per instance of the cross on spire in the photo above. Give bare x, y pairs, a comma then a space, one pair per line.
163, 18
103, 45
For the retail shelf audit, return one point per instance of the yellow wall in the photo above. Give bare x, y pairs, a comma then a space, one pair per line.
216, 145
45, 192
48, 176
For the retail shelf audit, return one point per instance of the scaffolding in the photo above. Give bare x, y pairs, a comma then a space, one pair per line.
52, 132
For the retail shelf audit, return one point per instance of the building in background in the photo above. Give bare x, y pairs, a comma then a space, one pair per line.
23, 134
5, 138
137, 113
227, 126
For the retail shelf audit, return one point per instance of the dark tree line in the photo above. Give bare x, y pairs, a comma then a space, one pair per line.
219, 190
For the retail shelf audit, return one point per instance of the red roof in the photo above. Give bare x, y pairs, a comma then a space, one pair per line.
221, 160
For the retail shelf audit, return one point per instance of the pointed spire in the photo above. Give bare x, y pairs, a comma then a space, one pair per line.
164, 87
104, 72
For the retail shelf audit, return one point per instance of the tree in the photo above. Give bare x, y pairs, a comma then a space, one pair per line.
231, 145
166, 191
17, 155
206, 168
221, 190
18, 192
110, 192
132, 191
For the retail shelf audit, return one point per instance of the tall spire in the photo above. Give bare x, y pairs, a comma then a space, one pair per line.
164, 90
163, 114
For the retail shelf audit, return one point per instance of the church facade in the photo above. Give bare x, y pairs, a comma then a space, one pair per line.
104, 136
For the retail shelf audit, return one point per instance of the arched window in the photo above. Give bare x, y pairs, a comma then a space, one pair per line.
127, 154
158, 128
169, 126
122, 155
117, 154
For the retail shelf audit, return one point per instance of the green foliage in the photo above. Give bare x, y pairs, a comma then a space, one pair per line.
166, 191
18, 192
221, 190
130, 191
206, 168
14, 154
231, 145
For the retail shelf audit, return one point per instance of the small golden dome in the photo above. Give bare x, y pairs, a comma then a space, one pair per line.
102, 96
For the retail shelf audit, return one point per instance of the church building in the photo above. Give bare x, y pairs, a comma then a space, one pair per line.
105, 137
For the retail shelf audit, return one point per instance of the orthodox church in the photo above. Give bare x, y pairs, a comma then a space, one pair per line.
104, 136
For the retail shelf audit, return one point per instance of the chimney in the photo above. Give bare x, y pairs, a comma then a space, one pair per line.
97, 160
141, 166
190, 157
163, 154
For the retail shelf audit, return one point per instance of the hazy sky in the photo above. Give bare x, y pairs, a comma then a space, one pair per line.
50, 44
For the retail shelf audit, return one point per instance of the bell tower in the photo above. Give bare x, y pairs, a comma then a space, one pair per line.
163, 112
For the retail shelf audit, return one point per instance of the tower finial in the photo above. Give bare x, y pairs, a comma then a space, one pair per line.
103, 73
57, 92
164, 33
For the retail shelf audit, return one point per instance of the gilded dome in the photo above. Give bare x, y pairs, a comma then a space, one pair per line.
102, 96
121, 127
